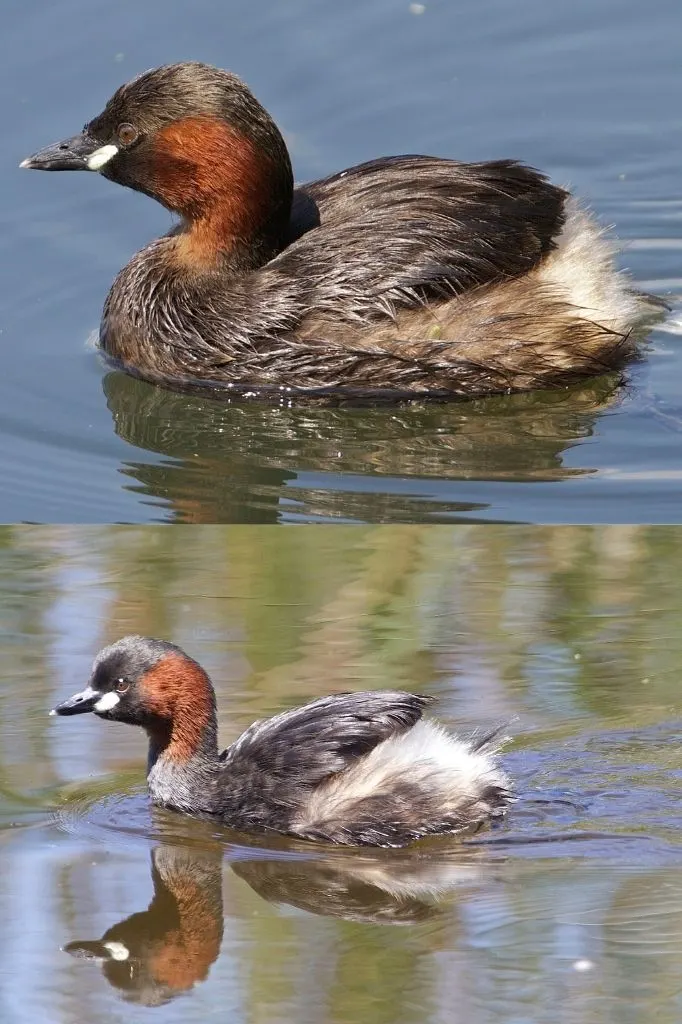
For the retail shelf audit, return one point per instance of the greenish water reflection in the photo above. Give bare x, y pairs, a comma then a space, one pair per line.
572, 910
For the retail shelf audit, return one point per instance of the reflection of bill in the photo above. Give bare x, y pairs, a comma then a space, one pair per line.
235, 462
157, 954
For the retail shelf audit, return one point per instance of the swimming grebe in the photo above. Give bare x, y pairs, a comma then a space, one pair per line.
407, 275
359, 769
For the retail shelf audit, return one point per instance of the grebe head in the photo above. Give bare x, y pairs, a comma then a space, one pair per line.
195, 138
153, 684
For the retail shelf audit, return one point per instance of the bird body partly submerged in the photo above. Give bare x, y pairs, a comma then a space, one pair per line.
355, 769
407, 275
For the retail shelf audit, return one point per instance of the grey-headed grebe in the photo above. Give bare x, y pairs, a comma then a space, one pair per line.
407, 275
359, 769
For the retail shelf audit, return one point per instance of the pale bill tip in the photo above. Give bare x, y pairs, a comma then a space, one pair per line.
26, 162
53, 712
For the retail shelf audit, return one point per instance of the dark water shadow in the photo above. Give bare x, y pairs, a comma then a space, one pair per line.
243, 461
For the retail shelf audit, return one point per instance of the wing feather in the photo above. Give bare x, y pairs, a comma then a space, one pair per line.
308, 744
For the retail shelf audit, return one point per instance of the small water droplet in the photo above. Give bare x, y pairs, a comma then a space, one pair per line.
583, 965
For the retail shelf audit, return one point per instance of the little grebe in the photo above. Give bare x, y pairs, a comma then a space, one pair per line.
359, 769
408, 275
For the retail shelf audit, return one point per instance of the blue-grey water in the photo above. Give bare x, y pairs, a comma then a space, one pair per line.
589, 92
570, 911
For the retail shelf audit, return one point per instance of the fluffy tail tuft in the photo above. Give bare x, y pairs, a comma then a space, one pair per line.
422, 782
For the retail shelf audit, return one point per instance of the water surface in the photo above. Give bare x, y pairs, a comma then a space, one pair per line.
588, 92
572, 910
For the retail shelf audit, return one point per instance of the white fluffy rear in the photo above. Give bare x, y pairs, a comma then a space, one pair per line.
455, 779
428, 750
583, 267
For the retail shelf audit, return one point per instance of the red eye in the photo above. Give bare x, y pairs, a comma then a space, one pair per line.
127, 133
122, 686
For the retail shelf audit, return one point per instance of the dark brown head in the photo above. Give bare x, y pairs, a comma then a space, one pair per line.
153, 684
194, 138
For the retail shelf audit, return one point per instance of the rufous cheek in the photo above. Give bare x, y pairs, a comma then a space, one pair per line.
209, 172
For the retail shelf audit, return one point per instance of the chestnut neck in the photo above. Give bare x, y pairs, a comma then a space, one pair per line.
183, 742
182, 725
233, 190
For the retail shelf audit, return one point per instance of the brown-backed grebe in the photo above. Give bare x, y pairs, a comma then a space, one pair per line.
360, 769
408, 275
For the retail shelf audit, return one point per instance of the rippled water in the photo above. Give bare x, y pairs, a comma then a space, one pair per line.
571, 910
588, 92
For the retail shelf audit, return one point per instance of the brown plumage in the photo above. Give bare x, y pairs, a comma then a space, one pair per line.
358, 769
403, 276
